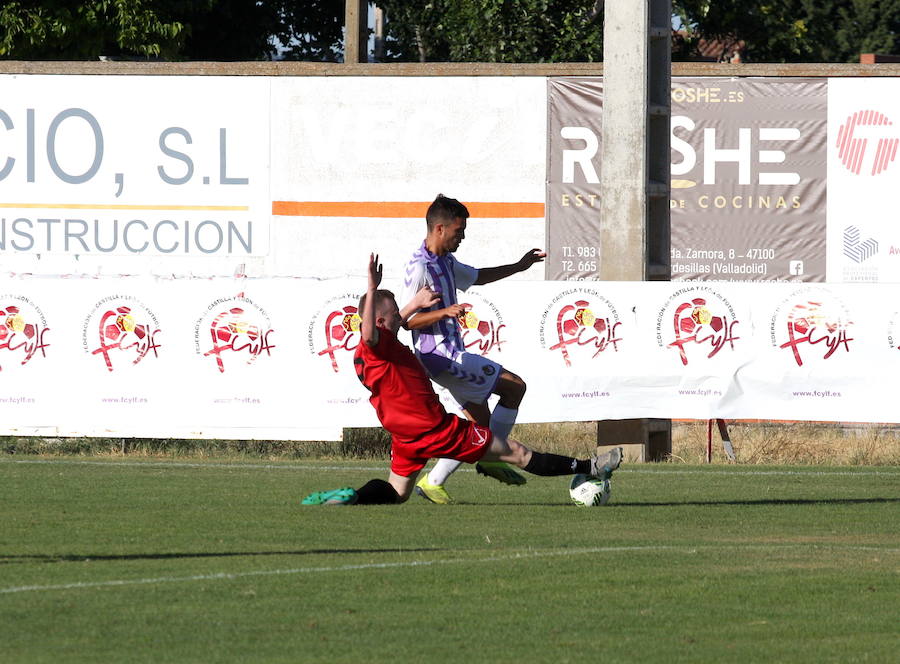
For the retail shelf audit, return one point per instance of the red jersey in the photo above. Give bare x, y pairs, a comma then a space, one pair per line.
402, 395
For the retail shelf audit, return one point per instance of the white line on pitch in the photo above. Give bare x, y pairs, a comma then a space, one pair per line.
183, 464
811, 473
667, 470
686, 550
339, 568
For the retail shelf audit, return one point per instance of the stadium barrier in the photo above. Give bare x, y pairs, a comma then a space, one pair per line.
290, 173
268, 358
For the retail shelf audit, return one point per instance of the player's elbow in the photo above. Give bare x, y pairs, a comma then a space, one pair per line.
414, 324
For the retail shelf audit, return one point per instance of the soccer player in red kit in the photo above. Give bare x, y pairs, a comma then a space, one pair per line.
411, 412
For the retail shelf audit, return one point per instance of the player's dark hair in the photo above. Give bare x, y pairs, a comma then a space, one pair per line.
444, 210
380, 295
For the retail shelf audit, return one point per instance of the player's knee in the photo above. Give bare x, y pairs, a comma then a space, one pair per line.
478, 412
511, 389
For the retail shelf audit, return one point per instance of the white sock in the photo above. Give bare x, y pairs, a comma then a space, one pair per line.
443, 469
502, 420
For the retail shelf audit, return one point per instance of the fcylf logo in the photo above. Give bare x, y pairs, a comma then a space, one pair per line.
811, 323
233, 328
121, 326
481, 325
856, 250
22, 331
853, 142
696, 318
334, 332
580, 324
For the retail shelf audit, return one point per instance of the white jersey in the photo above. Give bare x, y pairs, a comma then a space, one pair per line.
441, 344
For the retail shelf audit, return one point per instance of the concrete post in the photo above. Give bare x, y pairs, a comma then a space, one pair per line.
623, 162
635, 171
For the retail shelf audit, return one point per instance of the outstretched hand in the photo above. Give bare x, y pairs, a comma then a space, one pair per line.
376, 271
531, 257
426, 298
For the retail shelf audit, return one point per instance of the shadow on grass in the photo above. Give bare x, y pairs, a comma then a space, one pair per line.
80, 558
767, 501
702, 503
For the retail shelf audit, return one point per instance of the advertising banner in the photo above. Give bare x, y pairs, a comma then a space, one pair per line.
573, 177
288, 183
748, 178
863, 176
357, 160
120, 173
273, 358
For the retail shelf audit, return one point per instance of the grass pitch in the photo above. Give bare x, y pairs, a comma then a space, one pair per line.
167, 561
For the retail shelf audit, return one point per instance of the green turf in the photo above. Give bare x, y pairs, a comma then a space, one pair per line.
141, 561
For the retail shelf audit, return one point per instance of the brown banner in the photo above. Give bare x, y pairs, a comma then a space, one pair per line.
748, 178
573, 177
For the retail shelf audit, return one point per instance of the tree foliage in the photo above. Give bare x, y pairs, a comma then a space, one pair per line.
494, 30
797, 30
312, 30
432, 30
60, 30
216, 30
223, 30
571, 30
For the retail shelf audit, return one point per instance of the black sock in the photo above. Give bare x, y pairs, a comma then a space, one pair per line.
377, 492
550, 465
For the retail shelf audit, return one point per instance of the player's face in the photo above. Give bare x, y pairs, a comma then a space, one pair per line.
389, 315
454, 234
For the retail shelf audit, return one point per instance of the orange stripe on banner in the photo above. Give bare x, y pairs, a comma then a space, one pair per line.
400, 210
100, 206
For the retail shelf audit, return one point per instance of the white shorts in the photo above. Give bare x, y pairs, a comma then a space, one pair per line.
471, 379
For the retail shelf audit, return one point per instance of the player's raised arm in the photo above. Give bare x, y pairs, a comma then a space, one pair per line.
369, 328
488, 274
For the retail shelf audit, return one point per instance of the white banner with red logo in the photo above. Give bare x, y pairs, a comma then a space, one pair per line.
272, 358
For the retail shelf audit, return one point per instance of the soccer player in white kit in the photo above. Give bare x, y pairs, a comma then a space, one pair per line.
437, 338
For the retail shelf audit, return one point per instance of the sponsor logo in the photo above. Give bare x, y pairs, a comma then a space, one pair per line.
893, 331
120, 327
856, 138
858, 250
23, 331
696, 322
233, 332
579, 325
481, 325
811, 324
770, 140
481, 435
334, 332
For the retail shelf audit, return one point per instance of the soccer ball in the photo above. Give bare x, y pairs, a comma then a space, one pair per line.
589, 491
